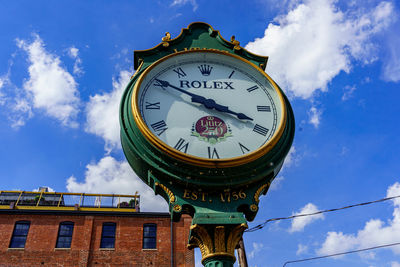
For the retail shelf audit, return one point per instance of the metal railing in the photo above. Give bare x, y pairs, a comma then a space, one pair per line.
57, 200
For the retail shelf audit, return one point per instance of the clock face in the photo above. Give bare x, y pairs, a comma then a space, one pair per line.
208, 106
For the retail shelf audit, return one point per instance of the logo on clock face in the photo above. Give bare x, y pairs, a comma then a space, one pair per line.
211, 129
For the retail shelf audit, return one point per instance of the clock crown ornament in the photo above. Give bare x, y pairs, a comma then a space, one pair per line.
205, 69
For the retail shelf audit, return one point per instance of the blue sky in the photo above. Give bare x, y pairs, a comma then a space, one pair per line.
64, 65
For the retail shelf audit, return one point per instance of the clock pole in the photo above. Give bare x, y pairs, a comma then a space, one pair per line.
220, 194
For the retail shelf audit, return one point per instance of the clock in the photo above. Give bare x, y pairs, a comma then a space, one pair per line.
208, 108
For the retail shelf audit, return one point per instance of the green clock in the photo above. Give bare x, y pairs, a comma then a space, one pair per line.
208, 108
206, 128
204, 117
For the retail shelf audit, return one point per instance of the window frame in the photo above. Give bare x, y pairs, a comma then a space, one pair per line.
103, 242
149, 236
15, 235
63, 235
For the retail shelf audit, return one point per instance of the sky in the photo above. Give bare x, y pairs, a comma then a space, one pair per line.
64, 66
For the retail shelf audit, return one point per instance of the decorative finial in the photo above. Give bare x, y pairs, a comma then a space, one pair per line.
165, 39
236, 43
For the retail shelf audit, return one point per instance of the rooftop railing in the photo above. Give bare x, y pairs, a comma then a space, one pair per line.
69, 201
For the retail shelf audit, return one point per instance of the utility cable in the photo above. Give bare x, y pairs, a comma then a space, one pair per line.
260, 226
342, 253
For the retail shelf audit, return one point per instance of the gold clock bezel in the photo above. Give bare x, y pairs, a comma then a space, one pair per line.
195, 160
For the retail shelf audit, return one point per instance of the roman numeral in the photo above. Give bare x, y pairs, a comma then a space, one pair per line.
264, 108
212, 154
181, 145
252, 88
180, 72
231, 74
243, 148
155, 105
260, 130
159, 127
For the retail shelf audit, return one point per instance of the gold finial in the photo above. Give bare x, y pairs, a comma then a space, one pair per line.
165, 39
235, 42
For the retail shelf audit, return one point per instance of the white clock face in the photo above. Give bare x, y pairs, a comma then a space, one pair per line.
209, 105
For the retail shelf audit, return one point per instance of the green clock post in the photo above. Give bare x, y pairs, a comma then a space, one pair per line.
207, 129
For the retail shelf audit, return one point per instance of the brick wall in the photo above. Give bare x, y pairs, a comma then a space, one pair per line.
85, 247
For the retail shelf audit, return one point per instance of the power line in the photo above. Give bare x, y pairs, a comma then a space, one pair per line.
342, 253
260, 226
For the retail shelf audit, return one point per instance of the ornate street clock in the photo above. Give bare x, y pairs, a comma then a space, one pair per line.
208, 129
209, 108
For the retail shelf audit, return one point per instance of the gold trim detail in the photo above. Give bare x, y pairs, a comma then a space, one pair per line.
221, 245
258, 193
171, 196
195, 160
234, 237
178, 208
213, 30
137, 70
219, 238
201, 240
166, 39
253, 207
225, 254
235, 42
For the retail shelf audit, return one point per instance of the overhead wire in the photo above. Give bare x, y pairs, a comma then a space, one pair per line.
260, 226
339, 254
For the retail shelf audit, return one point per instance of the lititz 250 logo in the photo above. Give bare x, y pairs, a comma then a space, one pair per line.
211, 129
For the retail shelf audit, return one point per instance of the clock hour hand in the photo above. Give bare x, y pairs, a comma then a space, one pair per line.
207, 102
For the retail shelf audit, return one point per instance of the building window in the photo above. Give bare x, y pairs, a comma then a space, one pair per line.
149, 236
65, 235
20, 233
108, 235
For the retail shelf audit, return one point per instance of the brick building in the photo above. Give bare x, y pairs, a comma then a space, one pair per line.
48, 229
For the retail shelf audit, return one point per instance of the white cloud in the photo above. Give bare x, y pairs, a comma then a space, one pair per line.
102, 113
301, 249
183, 2
374, 233
314, 116
291, 158
316, 41
299, 223
73, 52
391, 68
112, 176
276, 183
18, 108
3, 81
336, 243
348, 92
22, 111
395, 264
257, 247
50, 87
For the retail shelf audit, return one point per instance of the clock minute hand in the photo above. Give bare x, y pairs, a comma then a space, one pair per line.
163, 84
207, 102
